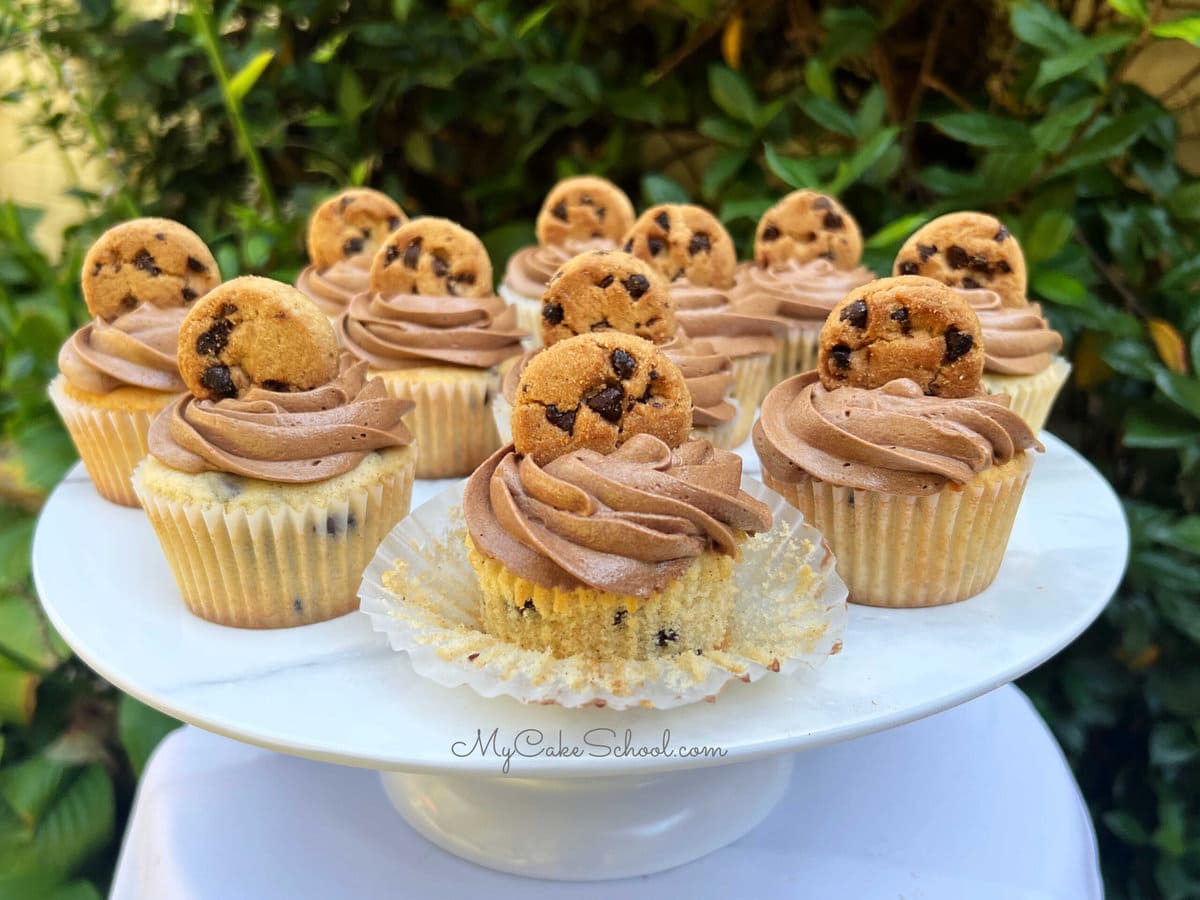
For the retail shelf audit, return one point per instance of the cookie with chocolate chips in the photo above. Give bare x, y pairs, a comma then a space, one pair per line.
255, 332
607, 290
683, 240
906, 327
433, 257
967, 250
807, 225
155, 261
595, 391
352, 223
584, 208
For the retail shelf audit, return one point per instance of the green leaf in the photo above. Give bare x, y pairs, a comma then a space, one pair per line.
141, 728
23, 635
1131, 358
1080, 56
328, 48
662, 189
1181, 389
1053, 132
1171, 744
18, 693
1185, 29
1184, 202
1126, 827
726, 131
1049, 235
792, 171
752, 209
818, 78
533, 20
1160, 429
1039, 26
732, 93
241, 83
894, 233
868, 154
980, 129
1059, 287
16, 539
351, 98
830, 115
1111, 140
723, 167
871, 112
1131, 9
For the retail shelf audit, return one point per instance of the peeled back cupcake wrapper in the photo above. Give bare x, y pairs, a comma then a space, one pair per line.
789, 613
1032, 395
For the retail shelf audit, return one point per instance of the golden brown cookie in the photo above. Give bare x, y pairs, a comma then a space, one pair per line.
682, 240
585, 208
607, 290
155, 261
967, 250
433, 257
595, 391
906, 327
255, 332
806, 225
352, 223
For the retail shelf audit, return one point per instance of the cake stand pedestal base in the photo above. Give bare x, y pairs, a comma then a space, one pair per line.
588, 829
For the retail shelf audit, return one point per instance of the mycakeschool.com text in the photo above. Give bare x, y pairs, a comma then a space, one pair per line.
596, 743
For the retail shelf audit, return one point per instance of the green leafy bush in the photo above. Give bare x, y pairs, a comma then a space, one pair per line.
236, 118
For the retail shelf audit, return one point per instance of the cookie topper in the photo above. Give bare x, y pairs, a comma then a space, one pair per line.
607, 290
350, 225
967, 250
807, 225
432, 257
683, 240
583, 209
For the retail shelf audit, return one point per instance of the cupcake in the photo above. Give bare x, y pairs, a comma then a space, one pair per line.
343, 234
603, 531
977, 256
119, 370
695, 253
607, 290
431, 328
807, 253
581, 213
893, 450
272, 482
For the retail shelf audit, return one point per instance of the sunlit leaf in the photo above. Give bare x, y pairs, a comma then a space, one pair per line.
732, 93
731, 41
1185, 29
792, 171
1131, 9
246, 77
1082, 54
1169, 344
982, 129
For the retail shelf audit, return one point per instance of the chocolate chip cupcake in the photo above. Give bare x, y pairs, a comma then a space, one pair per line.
980, 259
603, 531
579, 214
432, 329
119, 370
344, 233
807, 257
271, 483
892, 448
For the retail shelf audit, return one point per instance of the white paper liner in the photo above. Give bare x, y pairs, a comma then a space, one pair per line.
420, 590
529, 315
1032, 395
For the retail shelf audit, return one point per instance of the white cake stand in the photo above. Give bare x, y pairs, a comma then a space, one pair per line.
575, 803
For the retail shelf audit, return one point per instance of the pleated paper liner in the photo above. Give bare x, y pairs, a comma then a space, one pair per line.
529, 315
1032, 395
789, 613
797, 353
111, 441
898, 550
277, 565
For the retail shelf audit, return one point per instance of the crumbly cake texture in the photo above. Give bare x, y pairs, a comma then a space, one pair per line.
684, 241
353, 223
968, 250
584, 208
607, 291
807, 225
432, 257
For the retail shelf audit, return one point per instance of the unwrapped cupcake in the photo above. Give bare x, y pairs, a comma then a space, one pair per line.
344, 233
581, 213
977, 256
271, 483
807, 257
893, 450
430, 326
119, 370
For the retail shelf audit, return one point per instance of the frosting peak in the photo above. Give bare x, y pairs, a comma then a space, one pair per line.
333, 288
136, 349
708, 312
796, 291
530, 268
1017, 340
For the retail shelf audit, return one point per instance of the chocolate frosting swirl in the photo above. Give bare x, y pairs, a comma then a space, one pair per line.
796, 292
1017, 340
137, 349
409, 330
295, 438
333, 288
629, 522
707, 312
530, 268
892, 439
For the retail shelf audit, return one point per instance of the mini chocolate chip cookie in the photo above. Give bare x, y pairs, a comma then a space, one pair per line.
255, 332
607, 290
967, 250
906, 327
682, 240
352, 223
585, 208
595, 391
433, 257
155, 261
804, 226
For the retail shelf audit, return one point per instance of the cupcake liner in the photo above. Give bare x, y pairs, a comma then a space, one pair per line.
529, 315
797, 353
282, 565
111, 442
1032, 395
898, 550
789, 613
452, 421
502, 412
750, 385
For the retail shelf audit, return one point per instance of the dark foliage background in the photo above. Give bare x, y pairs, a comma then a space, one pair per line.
235, 118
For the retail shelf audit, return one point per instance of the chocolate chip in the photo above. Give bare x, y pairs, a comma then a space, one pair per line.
619, 618
560, 211
586, 199
144, 262
629, 245
980, 264
552, 312
1003, 267
344, 202
393, 223
98, 267
855, 314
390, 255
561, 418
970, 284
833, 221
216, 339
331, 525
663, 220
908, 267
227, 310
957, 257
218, 380
822, 203
605, 281
925, 251
160, 235
298, 605
958, 344
654, 374
666, 636
841, 356
900, 314
352, 247
412, 253
1002, 235
607, 403
600, 211
602, 325
465, 277
188, 295
129, 302
528, 606
770, 233
279, 387
637, 285
440, 265
699, 243
655, 245
623, 363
